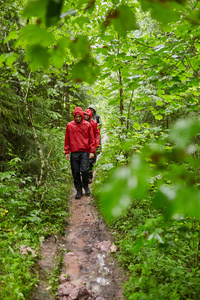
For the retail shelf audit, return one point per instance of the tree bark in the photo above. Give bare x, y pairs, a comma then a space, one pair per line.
38, 182
46, 181
121, 98
120, 91
129, 109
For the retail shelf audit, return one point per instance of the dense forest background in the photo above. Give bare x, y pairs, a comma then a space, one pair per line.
138, 62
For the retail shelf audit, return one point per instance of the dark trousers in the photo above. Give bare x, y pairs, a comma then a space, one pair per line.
80, 168
91, 165
92, 162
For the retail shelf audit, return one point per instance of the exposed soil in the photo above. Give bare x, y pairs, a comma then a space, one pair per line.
89, 262
89, 269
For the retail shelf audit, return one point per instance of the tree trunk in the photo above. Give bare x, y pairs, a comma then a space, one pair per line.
67, 105
129, 109
120, 91
38, 182
121, 97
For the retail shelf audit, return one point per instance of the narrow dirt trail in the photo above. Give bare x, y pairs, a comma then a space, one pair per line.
89, 270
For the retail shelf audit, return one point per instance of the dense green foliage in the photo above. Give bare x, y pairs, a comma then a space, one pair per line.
156, 201
34, 108
28, 215
139, 60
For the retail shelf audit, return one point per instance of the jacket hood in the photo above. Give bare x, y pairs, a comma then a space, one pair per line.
88, 112
78, 111
93, 107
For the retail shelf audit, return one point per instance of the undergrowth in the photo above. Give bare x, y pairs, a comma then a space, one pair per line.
167, 266
28, 216
159, 255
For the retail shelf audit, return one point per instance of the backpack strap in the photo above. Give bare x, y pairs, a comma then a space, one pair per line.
97, 118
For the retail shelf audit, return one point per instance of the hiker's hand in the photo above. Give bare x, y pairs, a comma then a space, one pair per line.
67, 156
91, 155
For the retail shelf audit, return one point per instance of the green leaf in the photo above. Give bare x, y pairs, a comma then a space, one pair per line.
38, 56
158, 117
164, 11
10, 58
80, 46
81, 2
155, 237
81, 21
91, 6
137, 245
178, 201
11, 36
59, 53
123, 19
136, 126
159, 102
35, 8
33, 34
85, 70
53, 12
6, 175
57, 60
62, 46
125, 184
2, 59
193, 17
183, 132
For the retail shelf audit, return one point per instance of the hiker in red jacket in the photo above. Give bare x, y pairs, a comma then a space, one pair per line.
79, 141
88, 117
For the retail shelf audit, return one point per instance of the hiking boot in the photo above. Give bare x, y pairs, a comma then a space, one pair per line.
87, 191
78, 194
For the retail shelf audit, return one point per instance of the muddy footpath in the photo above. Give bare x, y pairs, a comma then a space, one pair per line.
89, 269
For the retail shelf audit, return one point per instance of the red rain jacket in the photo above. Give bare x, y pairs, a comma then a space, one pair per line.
79, 137
95, 128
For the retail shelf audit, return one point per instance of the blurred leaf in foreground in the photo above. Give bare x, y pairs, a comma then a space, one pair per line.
125, 184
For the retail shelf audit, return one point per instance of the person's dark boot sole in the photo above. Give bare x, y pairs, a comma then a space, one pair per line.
78, 195
87, 191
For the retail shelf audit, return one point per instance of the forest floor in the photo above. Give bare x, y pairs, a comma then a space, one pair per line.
83, 258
